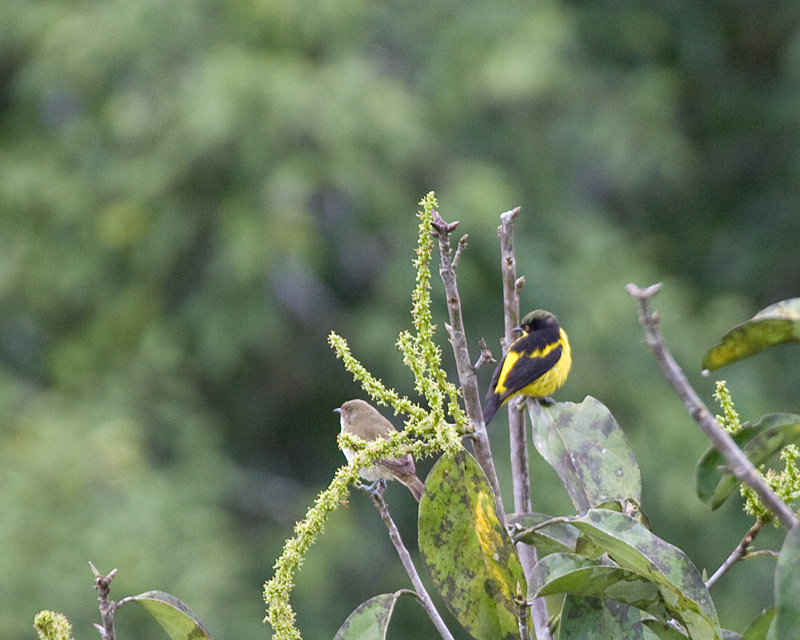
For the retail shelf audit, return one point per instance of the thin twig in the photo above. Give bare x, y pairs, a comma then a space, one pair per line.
518, 532
486, 355
466, 374
517, 432
511, 284
107, 607
762, 553
738, 553
462, 244
411, 570
739, 465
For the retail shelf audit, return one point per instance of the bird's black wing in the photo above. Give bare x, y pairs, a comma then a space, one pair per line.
528, 368
495, 378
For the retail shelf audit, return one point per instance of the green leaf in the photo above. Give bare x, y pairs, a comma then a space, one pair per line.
467, 551
574, 574
588, 450
777, 324
175, 617
633, 547
555, 537
758, 628
758, 442
589, 618
787, 590
629, 507
663, 631
370, 620
712, 484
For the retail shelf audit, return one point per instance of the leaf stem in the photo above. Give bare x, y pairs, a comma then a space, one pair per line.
519, 532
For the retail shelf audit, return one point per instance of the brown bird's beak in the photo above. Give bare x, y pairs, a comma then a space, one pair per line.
338, 410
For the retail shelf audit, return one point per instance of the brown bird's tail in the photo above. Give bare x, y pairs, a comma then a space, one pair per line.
414, 485
403, 469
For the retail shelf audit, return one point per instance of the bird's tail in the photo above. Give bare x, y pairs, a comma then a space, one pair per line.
490, 408
415, 486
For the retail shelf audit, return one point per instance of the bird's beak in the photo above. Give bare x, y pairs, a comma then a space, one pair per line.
517, 329
338, 410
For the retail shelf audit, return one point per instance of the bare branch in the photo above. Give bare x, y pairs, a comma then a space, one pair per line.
522, 616
740, 552
507, 218
485, 357
466, 373
739, 465
516, 419
518, 440
441, 227
517, 434
107, 607
411, 570
462, 244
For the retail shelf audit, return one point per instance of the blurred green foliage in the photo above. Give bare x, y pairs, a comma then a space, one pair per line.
194, 194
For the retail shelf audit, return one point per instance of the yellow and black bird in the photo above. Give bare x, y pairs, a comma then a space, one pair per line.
363, 420
536, 364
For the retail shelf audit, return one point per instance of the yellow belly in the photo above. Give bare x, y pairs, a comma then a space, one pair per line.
552, 379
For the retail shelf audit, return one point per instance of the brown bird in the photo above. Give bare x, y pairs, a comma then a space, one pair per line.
363, 420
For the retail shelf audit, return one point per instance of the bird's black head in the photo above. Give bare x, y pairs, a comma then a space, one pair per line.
539, 319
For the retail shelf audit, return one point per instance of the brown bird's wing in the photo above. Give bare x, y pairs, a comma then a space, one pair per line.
404, 470
400, 466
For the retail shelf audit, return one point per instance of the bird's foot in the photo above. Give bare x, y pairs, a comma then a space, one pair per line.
375, 489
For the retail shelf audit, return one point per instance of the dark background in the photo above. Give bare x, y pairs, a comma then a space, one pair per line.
194, 194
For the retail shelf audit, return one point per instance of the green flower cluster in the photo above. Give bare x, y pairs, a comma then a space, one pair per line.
426, 432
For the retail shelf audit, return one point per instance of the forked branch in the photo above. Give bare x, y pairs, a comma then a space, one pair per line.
466, 373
